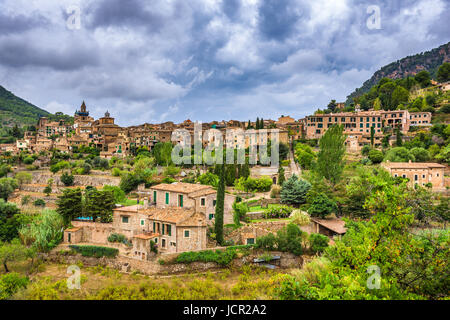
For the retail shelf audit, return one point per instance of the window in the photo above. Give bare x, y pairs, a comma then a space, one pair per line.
154, 196
154, 227
167, 198
202, 202
186, 234
211, 216
163, 243
180, 201
250, 240
142, 222
169, 230
214, 202
124, 219
416, 177
163, 228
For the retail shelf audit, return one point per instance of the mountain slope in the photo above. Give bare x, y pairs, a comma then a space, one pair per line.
14, 110
430, 61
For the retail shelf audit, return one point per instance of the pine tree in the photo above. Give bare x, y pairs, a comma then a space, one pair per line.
257, 124
70, 205
218, 225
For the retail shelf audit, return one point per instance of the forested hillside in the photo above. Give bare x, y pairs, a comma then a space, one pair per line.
409, 66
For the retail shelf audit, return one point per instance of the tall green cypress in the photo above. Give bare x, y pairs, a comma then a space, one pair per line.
261, 123
372, 136
220, 203
257, 124
281, 177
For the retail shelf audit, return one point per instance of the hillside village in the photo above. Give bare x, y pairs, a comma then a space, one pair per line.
111, 196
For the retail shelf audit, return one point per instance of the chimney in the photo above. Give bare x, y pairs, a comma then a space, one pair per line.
145, 203
409, 161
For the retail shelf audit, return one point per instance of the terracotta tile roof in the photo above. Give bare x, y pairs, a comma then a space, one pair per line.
180, 187
412, 165
146, 236
178, 216
336, 225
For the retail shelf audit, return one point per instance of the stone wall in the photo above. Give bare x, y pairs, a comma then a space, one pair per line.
152, 267
41, 178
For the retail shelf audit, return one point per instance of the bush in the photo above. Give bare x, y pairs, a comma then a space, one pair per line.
10, 283
376, 156
67, 179
26, 200
39, 203
95, 251
322, 206
300, 218
116, 172
222, 257
318, 242
275, 192
240, 210
276, 212
365, 150
288, 239
118, 238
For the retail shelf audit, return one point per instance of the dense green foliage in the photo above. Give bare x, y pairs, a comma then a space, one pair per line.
330, 159
322, 206
318, 242
95, 251
10, 283
294, 191
288, 239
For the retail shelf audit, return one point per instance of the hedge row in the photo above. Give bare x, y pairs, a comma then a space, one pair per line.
95, 251
221, 257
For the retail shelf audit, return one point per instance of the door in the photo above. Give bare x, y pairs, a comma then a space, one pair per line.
69, 237
180, 200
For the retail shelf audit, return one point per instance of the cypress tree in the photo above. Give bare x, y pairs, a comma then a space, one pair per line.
261, 123
220, 203
372, 135
257, 124
281, 177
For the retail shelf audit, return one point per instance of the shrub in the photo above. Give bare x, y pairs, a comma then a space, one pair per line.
95, 251
10, 283
262, 184
376, 156
240, 210
116, 172
322, 206
23, 177
26, 200
222, 257
365, 150
278, 211
39, 203
288, 239
67, 179
318, 242
300, 218
275, 192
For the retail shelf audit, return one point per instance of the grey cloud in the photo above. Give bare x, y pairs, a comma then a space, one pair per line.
20, 23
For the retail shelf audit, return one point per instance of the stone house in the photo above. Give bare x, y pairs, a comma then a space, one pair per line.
418, 173
199, 197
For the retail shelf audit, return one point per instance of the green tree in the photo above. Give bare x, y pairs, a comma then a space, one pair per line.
281, 176
7, 187
399, 96
420, 154
294, 191
376, 156
67, 179
99, 205
9, 224
13, 252
23, 177
44, 232
322, 206
443, 74
330, 159
220, 202
70, 205
423, 78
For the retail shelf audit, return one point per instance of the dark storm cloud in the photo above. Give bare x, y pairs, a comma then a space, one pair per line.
131, 13
20, 23
210, 59
17, 53
277, 18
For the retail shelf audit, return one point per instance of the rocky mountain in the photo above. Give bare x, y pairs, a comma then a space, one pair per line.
411, 65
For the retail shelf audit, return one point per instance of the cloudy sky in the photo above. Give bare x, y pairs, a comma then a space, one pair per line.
161, 60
